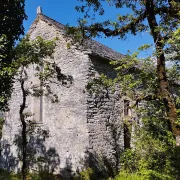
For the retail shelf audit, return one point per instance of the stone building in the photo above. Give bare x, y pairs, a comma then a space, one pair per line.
78, 128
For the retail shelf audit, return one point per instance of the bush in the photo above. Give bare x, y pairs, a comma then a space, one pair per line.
143, 175
85, 175
154, 155
5, 175
125, 176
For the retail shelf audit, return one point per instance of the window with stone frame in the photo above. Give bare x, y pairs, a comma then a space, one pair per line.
37, 98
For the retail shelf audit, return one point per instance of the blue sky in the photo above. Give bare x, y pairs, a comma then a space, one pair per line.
64, 12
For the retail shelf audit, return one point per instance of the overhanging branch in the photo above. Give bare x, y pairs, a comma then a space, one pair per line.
98, 27
145, 98
108, 32
167, 10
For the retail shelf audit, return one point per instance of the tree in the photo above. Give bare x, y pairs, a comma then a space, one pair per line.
154, 154
12, 15
11, 25
159, 17
28, 53
174, 46
38, 53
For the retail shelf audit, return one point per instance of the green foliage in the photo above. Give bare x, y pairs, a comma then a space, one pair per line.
127, 176
85, 175
11, 20
42, 175
143, 175
155, 155
32, 51
5, 175
12, 14
173, 74
141, 16
26, 53
132, 22
144, 47
172, 50
92, 174
97, 84
135, 77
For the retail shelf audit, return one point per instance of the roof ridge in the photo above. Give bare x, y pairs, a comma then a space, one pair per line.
97, 48
58, 24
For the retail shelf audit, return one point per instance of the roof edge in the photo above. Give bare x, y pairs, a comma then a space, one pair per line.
95, 47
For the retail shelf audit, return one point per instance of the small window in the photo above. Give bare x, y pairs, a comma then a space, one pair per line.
127, 109
127, 132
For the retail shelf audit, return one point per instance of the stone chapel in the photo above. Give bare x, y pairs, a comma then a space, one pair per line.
78, 129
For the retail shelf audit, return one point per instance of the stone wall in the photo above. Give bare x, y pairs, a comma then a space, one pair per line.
105, 118
75, 127
64, 111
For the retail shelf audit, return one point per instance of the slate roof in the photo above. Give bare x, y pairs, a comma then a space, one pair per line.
96, 48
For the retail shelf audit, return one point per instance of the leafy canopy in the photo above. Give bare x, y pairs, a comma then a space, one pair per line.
158, 17
12, 14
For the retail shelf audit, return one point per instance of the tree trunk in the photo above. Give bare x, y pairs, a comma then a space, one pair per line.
24, 138
161, 71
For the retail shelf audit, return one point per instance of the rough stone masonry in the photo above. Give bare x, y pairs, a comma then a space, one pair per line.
77, 129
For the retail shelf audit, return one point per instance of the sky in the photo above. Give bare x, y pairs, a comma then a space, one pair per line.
65, 13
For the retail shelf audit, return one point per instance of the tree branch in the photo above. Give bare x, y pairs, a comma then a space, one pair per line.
145, 98
167, 10
108, 32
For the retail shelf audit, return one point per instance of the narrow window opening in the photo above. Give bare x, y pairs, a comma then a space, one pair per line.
127, 137
127, 110
38, 98
41, 97
127, 133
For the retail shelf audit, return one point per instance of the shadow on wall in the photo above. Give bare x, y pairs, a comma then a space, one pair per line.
102, 167
46, 161
40, 159
7, 159
106, 106
102, 66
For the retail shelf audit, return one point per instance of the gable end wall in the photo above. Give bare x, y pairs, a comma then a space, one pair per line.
79, 124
